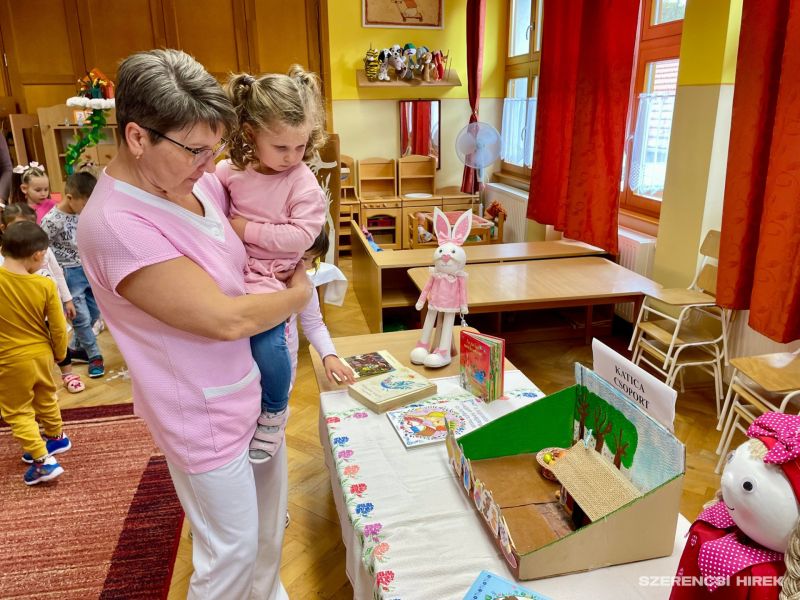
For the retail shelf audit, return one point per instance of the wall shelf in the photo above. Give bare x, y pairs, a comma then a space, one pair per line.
451, 80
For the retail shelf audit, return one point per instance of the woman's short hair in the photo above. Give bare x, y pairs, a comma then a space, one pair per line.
168, 90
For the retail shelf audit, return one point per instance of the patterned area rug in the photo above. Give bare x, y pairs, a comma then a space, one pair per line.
107, 528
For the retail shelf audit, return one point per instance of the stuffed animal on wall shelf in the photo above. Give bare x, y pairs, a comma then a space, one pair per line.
445, 291
747, 544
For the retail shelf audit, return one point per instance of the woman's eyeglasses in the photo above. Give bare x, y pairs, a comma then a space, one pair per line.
201, 155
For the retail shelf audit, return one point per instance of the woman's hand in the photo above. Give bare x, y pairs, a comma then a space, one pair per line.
299, 280
69, 310
239, 224
337, 371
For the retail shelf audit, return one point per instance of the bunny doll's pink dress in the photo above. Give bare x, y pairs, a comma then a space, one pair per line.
445, 293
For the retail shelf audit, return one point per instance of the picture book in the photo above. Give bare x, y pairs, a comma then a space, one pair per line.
481, 368
371, 364
390, 390
423, 422
489, 586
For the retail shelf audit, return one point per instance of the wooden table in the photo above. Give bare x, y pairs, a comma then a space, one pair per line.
526, 285
381, 281
402, 513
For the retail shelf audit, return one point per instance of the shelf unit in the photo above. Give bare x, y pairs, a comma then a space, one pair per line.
58, 132
381, 209
451, 79
416, 175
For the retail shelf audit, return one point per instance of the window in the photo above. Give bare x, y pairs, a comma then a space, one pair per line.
651, 106
521, 75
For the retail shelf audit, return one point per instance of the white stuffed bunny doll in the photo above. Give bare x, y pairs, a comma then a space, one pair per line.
746, 546
445, 290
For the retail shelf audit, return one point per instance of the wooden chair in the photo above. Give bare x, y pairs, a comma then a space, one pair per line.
27, 139
670, 344
759, 384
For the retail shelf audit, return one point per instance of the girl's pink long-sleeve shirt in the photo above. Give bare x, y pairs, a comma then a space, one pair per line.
286, 213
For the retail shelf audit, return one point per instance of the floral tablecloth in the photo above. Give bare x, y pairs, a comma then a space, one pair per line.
410, 532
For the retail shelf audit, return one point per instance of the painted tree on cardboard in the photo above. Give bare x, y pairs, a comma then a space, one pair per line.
610, 427
581, 414
623, 441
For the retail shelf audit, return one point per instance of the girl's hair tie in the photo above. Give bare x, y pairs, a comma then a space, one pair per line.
21, 169
248, 80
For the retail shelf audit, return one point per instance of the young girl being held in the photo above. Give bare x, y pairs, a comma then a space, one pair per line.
314, 326
30, 185
277, 209
22, 212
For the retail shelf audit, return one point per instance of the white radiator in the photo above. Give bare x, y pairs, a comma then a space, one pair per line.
636, 252
515, 201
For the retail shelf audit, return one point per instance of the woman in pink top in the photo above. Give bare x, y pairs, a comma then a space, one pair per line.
277, 208
166, 269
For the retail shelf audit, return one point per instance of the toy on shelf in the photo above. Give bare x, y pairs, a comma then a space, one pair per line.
411, 64
383, 68
372, 64
497, 214
747, 543
445, 292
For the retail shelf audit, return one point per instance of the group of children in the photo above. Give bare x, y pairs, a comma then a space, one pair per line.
38, 287
277, 209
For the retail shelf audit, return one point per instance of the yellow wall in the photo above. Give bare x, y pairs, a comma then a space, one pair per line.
349, 41
695, 180
709, 42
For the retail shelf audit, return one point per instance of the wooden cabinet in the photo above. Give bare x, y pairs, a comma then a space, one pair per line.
50, 44
382, 220
58, 132
109, 33
381, 209
213, 31
416, 175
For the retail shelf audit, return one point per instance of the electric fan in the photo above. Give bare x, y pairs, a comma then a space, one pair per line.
478, 146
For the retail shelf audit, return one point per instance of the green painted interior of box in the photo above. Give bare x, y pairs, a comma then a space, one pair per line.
547, 422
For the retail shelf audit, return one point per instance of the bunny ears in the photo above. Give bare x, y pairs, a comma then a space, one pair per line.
21, 169
458, 234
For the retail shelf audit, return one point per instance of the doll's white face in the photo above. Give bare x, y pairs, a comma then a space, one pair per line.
759, 499
449, 258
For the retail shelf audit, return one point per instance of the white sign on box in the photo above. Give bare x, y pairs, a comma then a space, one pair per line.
654, 396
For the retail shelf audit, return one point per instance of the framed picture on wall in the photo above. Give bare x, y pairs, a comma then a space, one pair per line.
428, 14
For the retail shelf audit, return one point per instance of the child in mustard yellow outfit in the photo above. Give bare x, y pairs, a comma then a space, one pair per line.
28, 345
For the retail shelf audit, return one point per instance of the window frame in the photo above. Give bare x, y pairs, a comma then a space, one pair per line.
655, 43
522, 65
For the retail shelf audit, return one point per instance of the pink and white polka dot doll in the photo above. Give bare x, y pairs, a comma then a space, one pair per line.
747, 544
445, 290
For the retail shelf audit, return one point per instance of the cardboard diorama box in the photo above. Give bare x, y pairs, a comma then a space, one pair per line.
610, 494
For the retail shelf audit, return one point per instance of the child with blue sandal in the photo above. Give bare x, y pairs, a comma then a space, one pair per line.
277, 209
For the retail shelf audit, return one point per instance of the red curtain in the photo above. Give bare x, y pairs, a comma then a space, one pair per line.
476, 17
422, 128
584, 88
759, 267
404, 129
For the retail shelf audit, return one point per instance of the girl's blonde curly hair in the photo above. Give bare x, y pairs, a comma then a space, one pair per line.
273, 100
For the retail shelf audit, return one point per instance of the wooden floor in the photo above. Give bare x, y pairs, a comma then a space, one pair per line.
313, 554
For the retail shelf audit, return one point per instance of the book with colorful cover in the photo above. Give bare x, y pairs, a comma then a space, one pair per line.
390, 390
481, 364
423, 422
489, 586
371, 364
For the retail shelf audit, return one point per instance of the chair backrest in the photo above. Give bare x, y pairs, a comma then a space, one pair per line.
706, 278
27, 138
